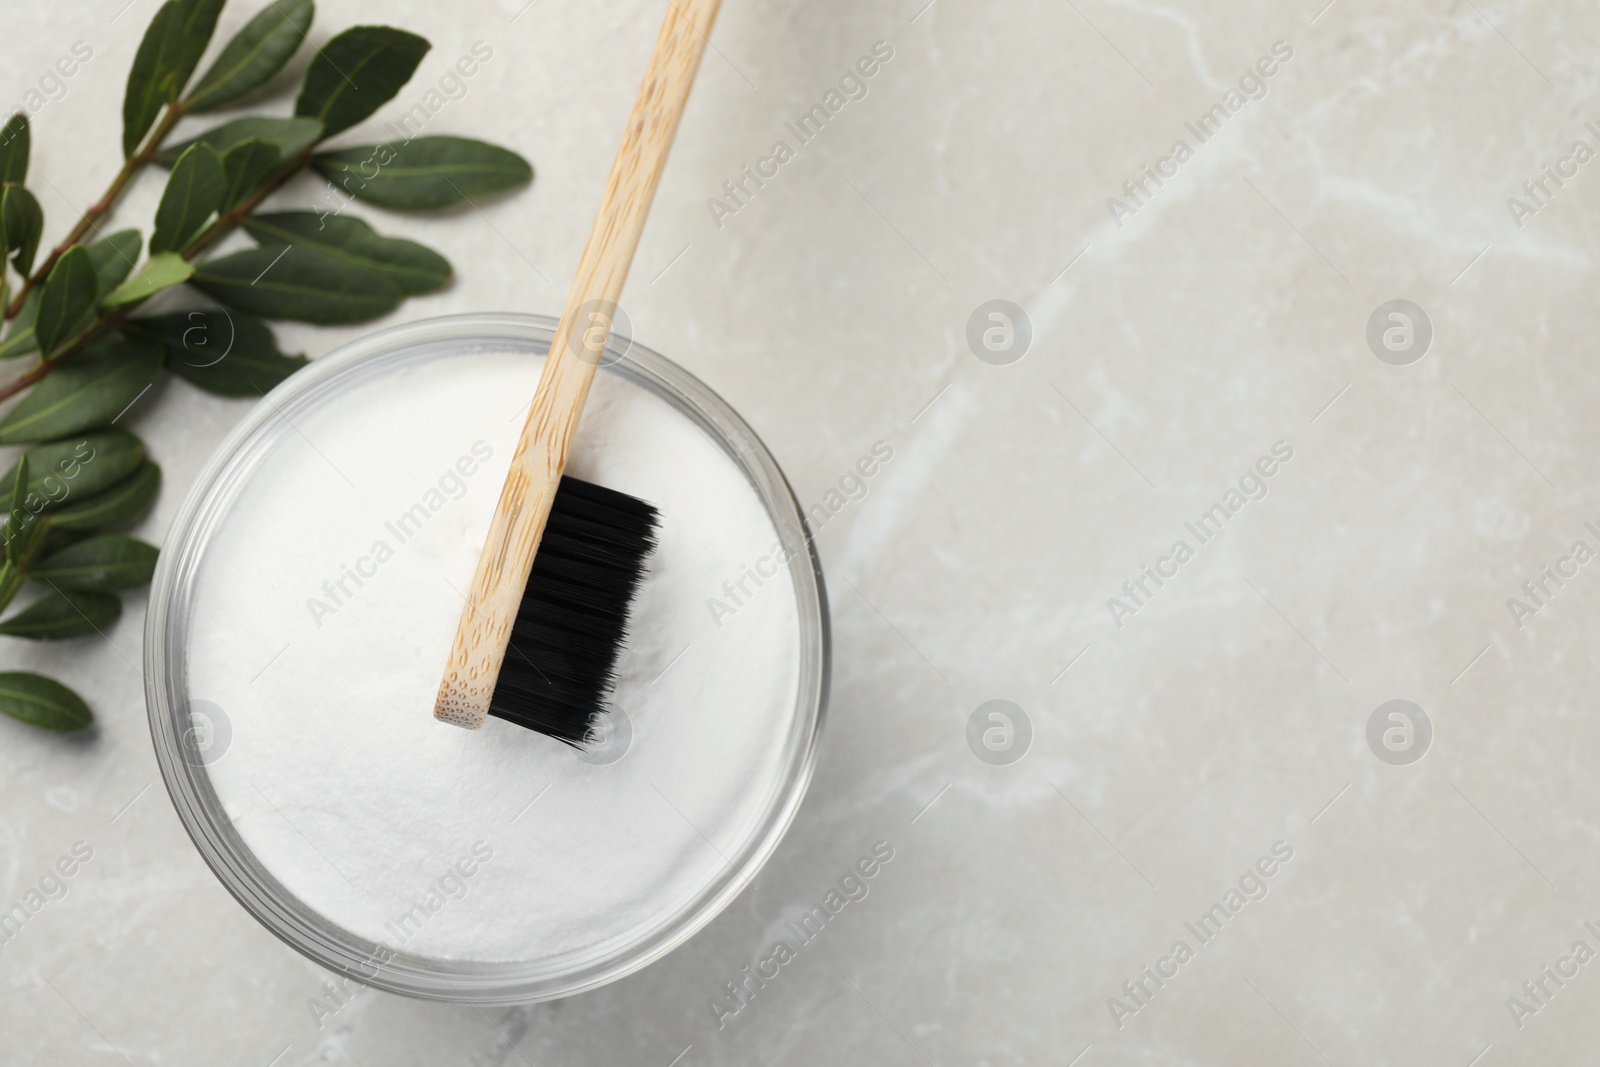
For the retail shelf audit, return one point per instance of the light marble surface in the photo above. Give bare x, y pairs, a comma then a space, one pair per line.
1168, 353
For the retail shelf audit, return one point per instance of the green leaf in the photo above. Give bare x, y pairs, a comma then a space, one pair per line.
356, 73
101, 564
123, 502
90, 389
148, 78
55, 539
413, 268
14, 143
22, 545
302, 284
230, 354
167, 56
246, 167
161, 271
20, 340
291, 136
11, 582
67, 294
194, 193
255, 54
74, 469
21, 537
60, 614
113, 258
16, 481
22, 220
43, 702
18, 520
424, 174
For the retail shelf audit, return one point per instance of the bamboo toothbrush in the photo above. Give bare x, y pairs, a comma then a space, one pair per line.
566, 627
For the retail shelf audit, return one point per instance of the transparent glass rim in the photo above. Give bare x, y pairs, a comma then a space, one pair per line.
165, 645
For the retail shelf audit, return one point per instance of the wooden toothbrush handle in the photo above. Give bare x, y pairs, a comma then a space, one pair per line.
541, 455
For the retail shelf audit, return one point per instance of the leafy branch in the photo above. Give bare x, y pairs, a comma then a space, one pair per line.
99, 209
81, 314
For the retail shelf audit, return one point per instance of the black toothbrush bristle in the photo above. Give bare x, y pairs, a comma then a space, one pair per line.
573, 621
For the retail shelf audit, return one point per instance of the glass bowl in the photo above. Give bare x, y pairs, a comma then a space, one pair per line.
174, 718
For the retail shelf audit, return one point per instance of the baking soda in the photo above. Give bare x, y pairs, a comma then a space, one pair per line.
323, 614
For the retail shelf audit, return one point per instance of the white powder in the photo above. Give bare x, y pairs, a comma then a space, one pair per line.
337, 776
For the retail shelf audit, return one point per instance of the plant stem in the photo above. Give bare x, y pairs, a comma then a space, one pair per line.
213, 233
98, 210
